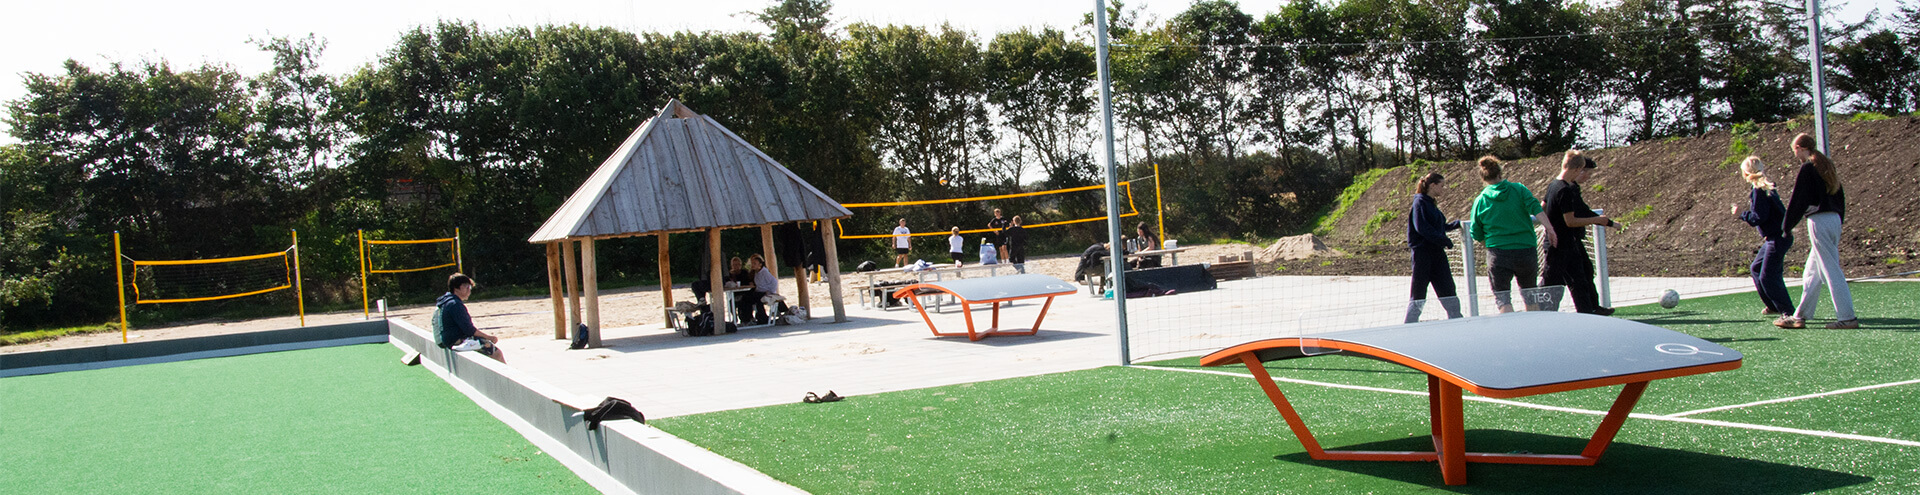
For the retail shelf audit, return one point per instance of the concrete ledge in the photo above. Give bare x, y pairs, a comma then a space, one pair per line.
161, 351
621, 457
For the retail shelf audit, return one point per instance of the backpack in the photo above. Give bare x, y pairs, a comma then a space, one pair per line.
700, 323
579, 337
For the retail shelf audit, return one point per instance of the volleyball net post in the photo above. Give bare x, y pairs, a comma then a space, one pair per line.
1159, 209
120, 285
299, 289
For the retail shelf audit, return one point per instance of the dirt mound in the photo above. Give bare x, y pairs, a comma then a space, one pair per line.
1674, 196
1298, 247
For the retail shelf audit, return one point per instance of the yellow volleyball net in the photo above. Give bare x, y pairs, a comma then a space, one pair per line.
200, 280
393, 256
1126, 189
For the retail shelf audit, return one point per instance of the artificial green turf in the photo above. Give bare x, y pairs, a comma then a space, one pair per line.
335, 420
1136, 430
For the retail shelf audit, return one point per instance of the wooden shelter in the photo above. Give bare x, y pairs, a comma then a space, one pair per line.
679, 172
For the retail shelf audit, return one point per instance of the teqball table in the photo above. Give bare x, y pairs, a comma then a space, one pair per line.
990, 290
1501, 356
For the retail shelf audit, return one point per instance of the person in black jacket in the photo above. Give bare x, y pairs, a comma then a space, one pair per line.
1765, 213
1567, 262
1427, 235
1015, 238
453, 325
1819, 198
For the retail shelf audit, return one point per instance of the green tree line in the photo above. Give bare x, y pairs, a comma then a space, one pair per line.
1256, 121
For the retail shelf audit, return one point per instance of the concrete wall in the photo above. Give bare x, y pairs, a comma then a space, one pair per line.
621, 457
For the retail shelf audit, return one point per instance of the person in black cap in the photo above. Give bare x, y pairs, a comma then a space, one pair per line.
1567, 263
453, 325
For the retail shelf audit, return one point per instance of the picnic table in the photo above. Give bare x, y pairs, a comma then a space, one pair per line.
1500, 356
1100, 281
992, 290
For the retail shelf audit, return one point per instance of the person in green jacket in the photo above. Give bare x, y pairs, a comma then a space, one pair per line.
1503, 218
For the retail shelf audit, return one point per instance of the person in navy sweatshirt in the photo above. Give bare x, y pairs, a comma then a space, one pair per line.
1765, 213
1427, 235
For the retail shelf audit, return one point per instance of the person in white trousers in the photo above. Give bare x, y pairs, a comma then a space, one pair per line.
1819, 197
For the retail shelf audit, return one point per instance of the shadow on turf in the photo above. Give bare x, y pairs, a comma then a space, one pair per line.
1891, 324
1625, 468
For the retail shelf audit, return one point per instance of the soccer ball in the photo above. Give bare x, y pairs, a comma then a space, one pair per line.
1670, 299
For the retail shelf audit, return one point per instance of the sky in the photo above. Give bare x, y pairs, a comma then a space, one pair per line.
188, 33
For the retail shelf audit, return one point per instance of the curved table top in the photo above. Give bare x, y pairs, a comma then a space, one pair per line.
1514, 354
1002, 288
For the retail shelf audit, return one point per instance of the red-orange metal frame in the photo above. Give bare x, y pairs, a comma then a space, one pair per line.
966, 309
1444, 406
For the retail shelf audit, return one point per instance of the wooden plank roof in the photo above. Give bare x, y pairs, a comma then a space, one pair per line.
683, 171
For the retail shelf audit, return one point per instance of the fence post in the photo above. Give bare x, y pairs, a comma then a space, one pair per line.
1466, 260
1600, 262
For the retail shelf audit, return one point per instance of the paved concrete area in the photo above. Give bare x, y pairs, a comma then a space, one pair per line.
888, 350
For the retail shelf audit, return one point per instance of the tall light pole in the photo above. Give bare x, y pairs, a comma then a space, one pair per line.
1116, 253
1815, 50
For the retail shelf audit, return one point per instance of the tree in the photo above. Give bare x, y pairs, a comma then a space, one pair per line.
1878, 73
1542, 66
1040, 86
296, 127
936, 134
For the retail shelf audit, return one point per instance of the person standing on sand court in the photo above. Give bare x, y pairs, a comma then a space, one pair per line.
1764, 212
1503, 218
998, 224
956, 245
1819, 198
1427, 236
1567, 262
1016, 239
902, 242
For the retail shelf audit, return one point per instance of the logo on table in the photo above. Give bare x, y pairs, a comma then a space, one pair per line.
1683, 350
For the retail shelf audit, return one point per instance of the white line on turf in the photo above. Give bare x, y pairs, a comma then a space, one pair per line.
1730, 424
1791, 399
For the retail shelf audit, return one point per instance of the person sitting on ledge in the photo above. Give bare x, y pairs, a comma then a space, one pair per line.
453, 325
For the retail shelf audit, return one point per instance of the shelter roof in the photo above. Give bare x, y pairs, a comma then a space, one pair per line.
683, 171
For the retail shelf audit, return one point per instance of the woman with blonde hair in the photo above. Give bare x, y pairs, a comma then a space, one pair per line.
1765, 213
1819, 197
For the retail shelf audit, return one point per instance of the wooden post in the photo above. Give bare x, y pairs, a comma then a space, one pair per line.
716, 275
800, 283
590, 282
666, 282
572, 280
827, 240
556, 286
766, 250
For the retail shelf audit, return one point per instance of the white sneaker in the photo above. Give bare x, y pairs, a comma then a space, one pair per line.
469, 345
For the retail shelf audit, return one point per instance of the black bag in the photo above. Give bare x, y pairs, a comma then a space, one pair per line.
611, 409
700, 323
866, 266
883, 292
